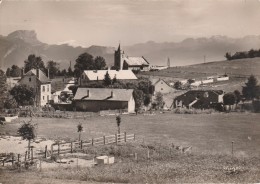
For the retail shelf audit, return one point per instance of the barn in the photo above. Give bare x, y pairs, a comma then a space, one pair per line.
98, 99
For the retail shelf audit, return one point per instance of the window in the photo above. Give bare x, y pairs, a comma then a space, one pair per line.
161, 82
48, 88
43, 97
30, 79
161, 88
47, 97
43, 88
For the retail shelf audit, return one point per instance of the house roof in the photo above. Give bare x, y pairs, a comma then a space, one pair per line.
217, 92
136, 61
100, 74
42, 77
155, 81
101, 94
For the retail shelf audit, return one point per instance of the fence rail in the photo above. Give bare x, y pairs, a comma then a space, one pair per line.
65, 147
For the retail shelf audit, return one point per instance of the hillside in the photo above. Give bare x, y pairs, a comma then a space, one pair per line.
238, 70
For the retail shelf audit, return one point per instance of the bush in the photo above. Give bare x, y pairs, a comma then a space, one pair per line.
193, 111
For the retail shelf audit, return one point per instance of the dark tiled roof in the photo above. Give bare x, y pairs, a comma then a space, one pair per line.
103, 94
42, 77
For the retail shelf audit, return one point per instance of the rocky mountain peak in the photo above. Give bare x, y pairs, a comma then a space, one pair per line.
28, 36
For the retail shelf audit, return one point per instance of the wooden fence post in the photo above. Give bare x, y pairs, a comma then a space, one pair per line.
104, 139
32, 154
12, 159
125, 136
116, 138
92, 141
51, 149
71, 147
58, 148
148, 154
45, 152
81, 143
25, 156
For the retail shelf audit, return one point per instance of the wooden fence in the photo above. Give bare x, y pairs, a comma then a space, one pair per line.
70, 147
66, 147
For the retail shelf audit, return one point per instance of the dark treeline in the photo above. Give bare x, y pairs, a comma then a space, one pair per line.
243, 54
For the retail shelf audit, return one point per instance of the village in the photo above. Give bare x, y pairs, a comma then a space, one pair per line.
121, 94
129, 91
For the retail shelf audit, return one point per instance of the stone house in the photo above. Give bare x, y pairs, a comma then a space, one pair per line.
98, 99
200, 99
41, 84
161, 86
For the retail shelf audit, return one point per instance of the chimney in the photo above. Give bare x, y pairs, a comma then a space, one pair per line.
37, 73
112, 94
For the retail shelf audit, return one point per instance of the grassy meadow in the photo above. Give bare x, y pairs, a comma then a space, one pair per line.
210, 160
206, 133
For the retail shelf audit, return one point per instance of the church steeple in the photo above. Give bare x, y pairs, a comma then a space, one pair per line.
119, 47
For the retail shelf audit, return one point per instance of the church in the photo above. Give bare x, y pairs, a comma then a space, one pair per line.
124, 62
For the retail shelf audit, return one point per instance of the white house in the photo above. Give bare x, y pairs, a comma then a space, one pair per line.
99, 75
41, 84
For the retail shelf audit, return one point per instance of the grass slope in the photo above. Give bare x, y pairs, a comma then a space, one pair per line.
238, 68
206, 133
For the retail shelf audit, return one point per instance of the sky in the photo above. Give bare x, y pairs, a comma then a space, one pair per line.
108, 22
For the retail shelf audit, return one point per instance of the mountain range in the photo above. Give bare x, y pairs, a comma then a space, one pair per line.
15, 48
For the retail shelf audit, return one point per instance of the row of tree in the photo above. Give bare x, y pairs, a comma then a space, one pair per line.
244, 54
85, 61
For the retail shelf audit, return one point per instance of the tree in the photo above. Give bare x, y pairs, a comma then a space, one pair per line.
70, 72
99, 63
251, 90
8, 72
27, 131
118, 122
190, 81
15, 71
53, 68
139, 98
238, 96
147, 100
229, 99
107, 79
33, 62
23, 95
159, 100
3, 89
228, 56
64, 72
114, 80
79, 129
10, 102
83, 62
177, 85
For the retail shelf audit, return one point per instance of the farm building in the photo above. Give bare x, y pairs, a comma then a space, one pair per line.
41, 84
161, 86
98, 99
124, 62
199, 99
99, 75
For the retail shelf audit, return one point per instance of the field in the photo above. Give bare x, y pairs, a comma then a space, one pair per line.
238, 68
206, 133
210, 136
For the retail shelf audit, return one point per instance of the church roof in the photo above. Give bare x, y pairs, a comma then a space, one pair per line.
100, 74
102, 94
136, 61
